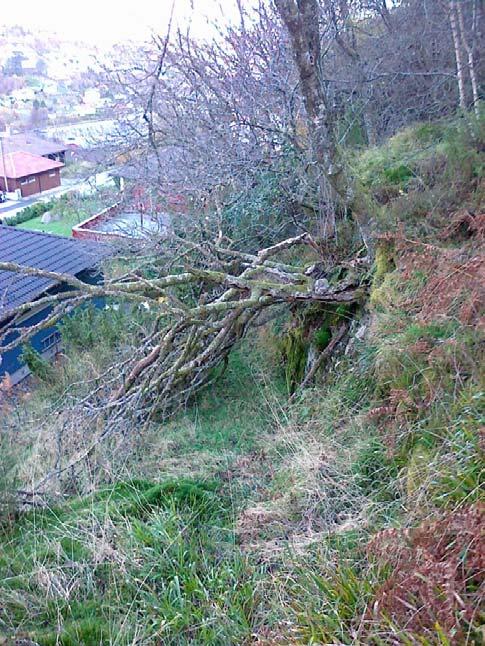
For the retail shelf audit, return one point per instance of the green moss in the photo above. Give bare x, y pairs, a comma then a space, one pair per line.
322, 337
328, 318
383, 288
295, 350
384, 261
198, 497
315, 328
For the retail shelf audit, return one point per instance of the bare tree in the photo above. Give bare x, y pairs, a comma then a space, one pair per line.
274, 96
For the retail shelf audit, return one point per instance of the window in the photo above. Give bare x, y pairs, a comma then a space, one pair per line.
27, 180
50, 341
52, 173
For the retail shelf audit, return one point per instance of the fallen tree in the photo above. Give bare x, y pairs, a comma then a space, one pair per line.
190, 338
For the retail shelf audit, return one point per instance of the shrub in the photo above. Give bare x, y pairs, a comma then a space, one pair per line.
30, 212
89, 326
38, 366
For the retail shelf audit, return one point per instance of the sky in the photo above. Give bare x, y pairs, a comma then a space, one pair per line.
108, 21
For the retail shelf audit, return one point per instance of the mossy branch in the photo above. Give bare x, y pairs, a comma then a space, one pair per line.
172, 363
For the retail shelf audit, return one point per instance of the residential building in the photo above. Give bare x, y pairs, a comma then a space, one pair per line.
50, 253
28, 174
27, 142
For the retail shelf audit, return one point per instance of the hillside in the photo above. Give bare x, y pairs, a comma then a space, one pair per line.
346, 512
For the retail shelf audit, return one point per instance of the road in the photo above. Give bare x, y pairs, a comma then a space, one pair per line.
86, 187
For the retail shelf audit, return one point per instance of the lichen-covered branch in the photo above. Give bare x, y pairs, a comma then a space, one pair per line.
196, 337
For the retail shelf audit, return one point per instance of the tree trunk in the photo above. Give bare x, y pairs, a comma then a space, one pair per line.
303, 24
302, 20
471, 62
458, 53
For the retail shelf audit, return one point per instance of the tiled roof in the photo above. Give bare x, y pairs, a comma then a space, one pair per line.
27, 143
22, 164
40, 251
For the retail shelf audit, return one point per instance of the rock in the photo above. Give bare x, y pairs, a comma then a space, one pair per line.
316, 271
46, 218
321, 286
361, 332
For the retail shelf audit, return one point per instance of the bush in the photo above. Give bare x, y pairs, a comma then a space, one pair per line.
38, 366
89, 326
30, 212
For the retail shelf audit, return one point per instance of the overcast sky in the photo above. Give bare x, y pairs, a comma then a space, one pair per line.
106, 21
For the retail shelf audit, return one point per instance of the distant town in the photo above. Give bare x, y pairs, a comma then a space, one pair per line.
39, 88
56, 116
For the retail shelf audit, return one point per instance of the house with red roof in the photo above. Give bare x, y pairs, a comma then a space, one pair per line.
28, 173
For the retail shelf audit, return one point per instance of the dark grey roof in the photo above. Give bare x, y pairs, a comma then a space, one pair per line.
40, 251
31, 143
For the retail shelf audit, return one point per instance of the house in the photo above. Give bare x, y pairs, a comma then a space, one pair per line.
28, 173
26, 142
39, 251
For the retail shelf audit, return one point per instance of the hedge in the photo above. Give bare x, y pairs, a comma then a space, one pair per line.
30, 212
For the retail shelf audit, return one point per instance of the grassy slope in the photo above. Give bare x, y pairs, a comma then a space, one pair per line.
160, 560
254, 522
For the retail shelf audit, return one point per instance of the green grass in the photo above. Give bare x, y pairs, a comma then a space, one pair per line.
61, 228
149, 559
422, 174
234, 413
158, 559
138, 559
72, 210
